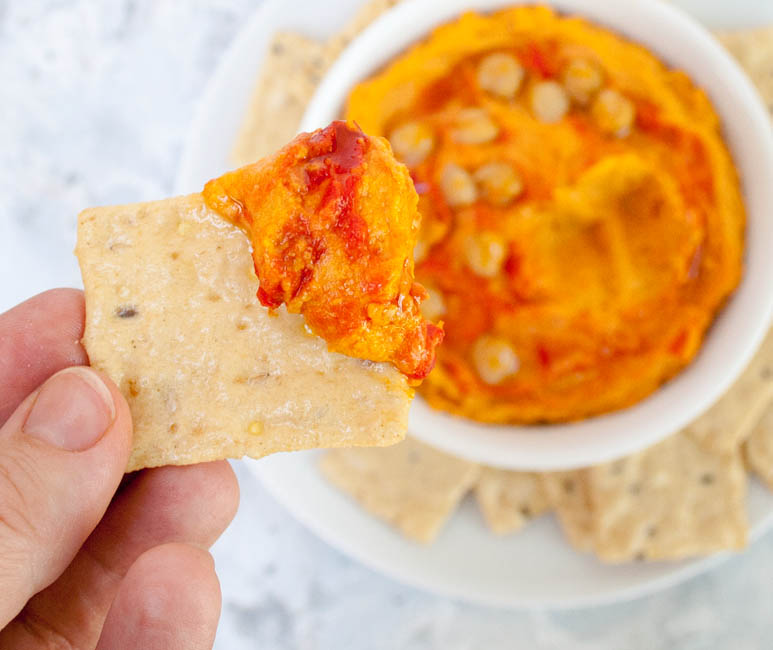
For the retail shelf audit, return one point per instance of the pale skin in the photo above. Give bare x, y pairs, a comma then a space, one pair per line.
90, 558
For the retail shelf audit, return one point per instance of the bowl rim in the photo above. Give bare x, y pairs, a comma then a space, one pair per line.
740, 325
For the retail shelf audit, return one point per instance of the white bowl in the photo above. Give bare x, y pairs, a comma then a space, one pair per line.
741, 325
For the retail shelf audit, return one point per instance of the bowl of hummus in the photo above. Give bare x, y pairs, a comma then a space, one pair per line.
593, 182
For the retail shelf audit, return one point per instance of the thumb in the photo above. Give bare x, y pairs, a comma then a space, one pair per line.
63, 453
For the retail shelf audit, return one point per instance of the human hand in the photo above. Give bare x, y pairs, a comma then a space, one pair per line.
81, 565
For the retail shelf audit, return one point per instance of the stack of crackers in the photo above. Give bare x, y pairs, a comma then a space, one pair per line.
685, 496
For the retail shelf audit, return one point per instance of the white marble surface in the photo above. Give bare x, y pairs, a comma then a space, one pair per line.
95, 98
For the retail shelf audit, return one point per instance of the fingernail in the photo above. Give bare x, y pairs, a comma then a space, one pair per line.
72, 411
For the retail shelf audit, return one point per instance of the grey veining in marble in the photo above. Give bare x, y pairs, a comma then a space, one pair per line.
95, 98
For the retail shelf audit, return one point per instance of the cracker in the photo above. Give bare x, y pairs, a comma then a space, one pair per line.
293, 68
172, 317
411, 486
758, 449
672, 501
508, 499
365, 15
753, 48
567, 494
730, 421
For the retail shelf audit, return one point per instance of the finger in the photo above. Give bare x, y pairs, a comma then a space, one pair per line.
62, 454
190, 504
169, 600
38, 338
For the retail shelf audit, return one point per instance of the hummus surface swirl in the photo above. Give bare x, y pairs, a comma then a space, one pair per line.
582, 220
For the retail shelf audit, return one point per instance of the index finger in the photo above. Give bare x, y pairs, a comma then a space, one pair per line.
38, 338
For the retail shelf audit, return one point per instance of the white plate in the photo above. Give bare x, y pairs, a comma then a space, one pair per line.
534, 568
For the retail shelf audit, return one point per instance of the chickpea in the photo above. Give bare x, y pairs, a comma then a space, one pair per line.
485, 253
549, 101
494, 359
457, 185
500, 74
412, 142
434, 306
614, 112
499, 182
474, 126
582, 79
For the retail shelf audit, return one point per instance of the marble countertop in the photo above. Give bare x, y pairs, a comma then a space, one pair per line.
94, 105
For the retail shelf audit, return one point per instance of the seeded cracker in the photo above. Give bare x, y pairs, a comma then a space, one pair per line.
509, 500
730, 421
293, 67
411, 486
669, 502
172, 317
568, 495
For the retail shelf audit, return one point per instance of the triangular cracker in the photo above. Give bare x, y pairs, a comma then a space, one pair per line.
568, 495
293, 67
509, 500
759, 447
672, 501
364, 16
172, 317
412, 486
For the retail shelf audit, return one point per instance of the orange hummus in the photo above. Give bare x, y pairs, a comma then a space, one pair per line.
333, 222
582, 217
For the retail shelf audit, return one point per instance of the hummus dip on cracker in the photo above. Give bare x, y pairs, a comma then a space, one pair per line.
276, 311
